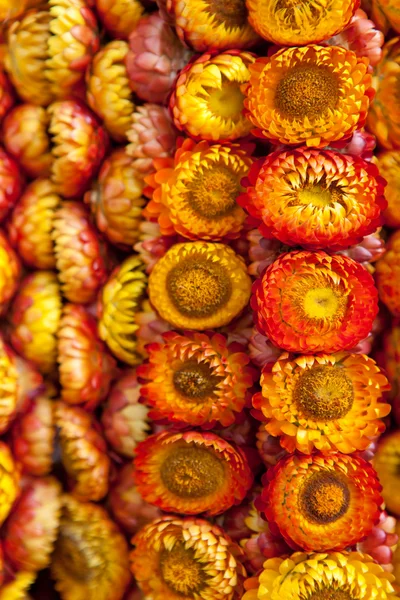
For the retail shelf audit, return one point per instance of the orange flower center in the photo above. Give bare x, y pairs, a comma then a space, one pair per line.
324, 497
198, 288
192, 472
307, 91
226, 101
213, 192
324, 393
195, 381
329, 593
180, 570
231, 13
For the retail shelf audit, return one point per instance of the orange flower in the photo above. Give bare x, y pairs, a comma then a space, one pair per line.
9, 481
8, 387
32, 528
324, 402
10, 270
186, 558
119, 17
11, 183
90, 561
313, 302
389, 167
191, 472
207, 101
321, 502
315, 198
195, 193
196, 379
83, 452
313, 95
386, 14
389, 357
387, 464
388, 275
17, 587
86, 366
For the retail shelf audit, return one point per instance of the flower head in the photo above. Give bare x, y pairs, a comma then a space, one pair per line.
25, 137
196, 379
199, 285
387, 464
388, 275
315, 401
116, 199
390, 359
11, 183
313, 302
389, 167
186, 558
322, 502
10, 271
86, 366
83, 452
34, 319
32, 528
333, 576
125, 420
120, 302
313, 95
315, 198
8, 386
119, 17
195, 194
9, 481
207, 101
154, 59
385, 13
191, 472
31, 223
90, 561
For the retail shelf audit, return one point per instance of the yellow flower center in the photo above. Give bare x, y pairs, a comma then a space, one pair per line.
231, 13
192, 472
330, 593
180, 570
212, 192
307, 91
324, 393
226, 102
323, 303
324, 497
195, 381
318, 196
198, 288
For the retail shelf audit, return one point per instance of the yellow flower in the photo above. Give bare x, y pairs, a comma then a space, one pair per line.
119, 17
199, 285
8, 387
313, 95
387, 464
17, 588
9, 481
328, 402
10, 271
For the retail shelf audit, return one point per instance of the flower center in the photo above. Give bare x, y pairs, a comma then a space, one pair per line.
180, 570
195, 380
231, 13
319, 196
75, 556
324, 393
198, 288
323, 303
213, 192
307, 91
324, 498
192, 472
226, 102
330, 593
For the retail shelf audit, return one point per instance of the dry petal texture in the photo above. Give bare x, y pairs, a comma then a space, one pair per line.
108, 91
31, 224
34, 320
116, 199
79, 253
26, 139
48, 50
176, 559
86, 367
83, 452
321, 502
314, 198
207, 101
119, 17
154, 59
327, 402
79, 144
11, 183
199, 285
32, 528
313, 95
195, 194
286, 23
9, 481
196, 379
124, 418
120, 303
151, 136
90, 561
388, 275
333, 576
389, 167
387, 464
191, 472
313, 302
